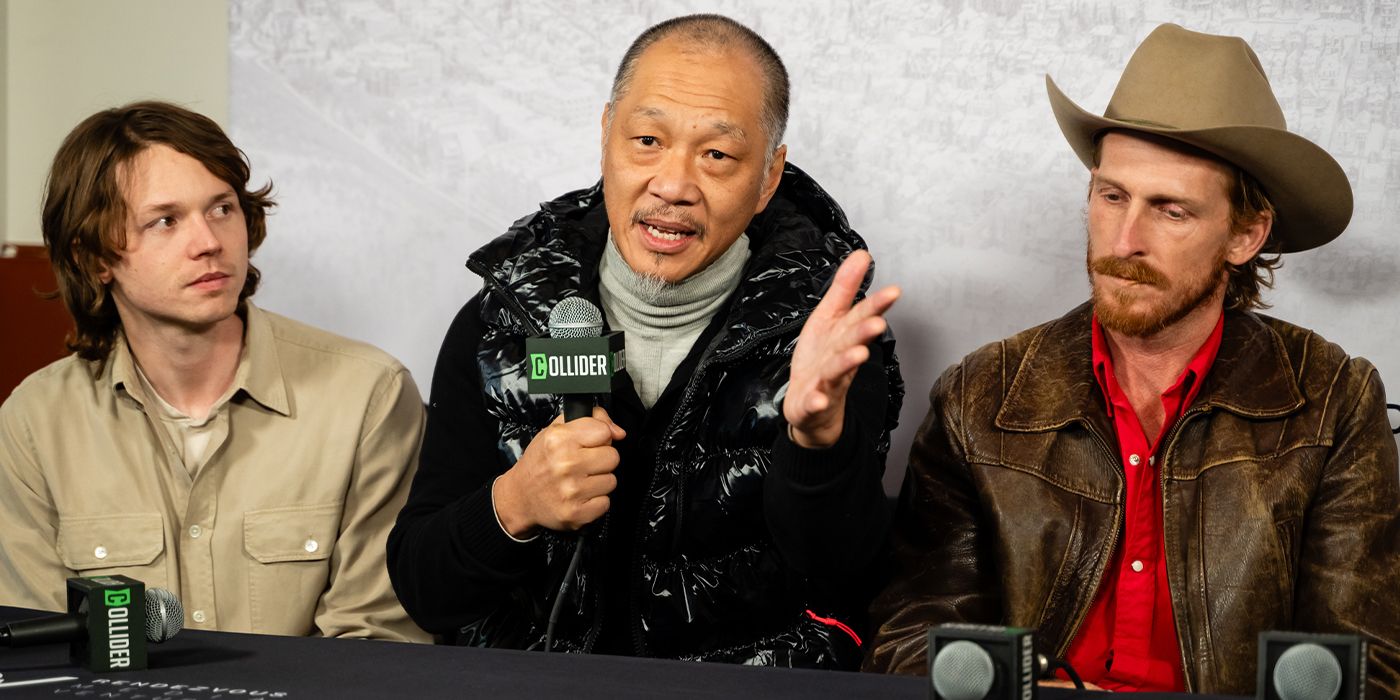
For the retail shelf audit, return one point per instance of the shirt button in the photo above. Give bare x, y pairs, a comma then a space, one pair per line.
100, 552
1134, 460
311, 545
198, 616
1137, 566
195, 531
1152, 461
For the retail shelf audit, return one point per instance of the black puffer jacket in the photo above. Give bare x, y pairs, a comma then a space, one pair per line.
724, 542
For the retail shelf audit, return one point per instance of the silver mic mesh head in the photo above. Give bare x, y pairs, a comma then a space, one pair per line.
164, 615
575, 317
1307, 672
962, 671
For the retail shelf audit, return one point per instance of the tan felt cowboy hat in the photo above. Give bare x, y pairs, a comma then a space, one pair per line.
1209, 91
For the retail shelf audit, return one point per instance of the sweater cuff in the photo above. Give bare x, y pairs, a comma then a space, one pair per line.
815, 467
483, 538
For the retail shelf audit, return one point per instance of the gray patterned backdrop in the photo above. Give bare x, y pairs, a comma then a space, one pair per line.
403, 135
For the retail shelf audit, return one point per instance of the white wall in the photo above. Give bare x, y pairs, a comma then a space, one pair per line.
403, 135
62, 60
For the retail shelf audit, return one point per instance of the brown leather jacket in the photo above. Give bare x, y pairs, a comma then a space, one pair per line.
1280, 501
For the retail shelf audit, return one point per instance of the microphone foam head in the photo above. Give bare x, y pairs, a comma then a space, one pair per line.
1307, 672
164, 615
963, 670
575, 317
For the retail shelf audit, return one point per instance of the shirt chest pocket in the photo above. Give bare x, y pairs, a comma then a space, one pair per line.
289, 552
129, 544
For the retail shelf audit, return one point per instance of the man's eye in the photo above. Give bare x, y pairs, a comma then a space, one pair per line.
162, 222
716, 154
223, 210
1113, 197
647, 140
1174, 214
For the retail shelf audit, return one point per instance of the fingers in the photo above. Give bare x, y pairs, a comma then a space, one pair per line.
874, 304
587, 512
600, 414
863, 322
579, 491
594, 431
844, 285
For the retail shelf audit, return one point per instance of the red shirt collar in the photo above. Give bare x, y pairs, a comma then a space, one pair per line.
1189, 381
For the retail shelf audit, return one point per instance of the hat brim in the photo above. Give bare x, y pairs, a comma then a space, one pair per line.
1310, 192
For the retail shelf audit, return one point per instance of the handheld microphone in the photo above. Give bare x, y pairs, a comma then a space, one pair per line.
577, 361
110, 619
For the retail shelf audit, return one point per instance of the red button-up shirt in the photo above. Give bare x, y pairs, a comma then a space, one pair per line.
1128, 641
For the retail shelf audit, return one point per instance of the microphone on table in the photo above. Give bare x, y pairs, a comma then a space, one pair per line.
987, 662
1302, 666
109, 621
577, 361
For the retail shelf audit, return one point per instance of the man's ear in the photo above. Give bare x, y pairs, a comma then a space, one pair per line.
603, 124
1246, 243
772, 177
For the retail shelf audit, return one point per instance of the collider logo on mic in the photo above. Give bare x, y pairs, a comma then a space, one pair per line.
574, 365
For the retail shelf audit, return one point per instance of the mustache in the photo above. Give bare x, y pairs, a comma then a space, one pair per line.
670, 213
1132, 270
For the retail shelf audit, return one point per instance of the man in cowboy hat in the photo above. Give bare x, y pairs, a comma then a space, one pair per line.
1160, 475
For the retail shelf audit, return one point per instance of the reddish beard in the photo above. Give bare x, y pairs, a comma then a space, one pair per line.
1114, 308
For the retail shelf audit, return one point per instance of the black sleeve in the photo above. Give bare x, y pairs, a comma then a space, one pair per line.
826, 508
449, 560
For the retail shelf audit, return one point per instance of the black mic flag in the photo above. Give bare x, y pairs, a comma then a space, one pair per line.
109, 621
577, 361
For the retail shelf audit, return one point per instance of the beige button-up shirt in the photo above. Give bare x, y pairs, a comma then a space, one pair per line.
283, 529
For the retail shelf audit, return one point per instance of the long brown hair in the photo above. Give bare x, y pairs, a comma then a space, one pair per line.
1248, 202
85, 212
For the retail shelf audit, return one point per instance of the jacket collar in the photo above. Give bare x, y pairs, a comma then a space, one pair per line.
259, 372
1054, 384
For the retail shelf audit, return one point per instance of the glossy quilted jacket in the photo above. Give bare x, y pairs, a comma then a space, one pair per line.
707, 582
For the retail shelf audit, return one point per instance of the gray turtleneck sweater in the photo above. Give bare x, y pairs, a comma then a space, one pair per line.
662, 321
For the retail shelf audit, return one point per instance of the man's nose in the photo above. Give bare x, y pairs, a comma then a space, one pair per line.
1129, 235
674, 181
203, 239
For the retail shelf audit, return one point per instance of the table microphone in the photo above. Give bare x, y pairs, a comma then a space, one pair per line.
165, 617
989, 662
1303, 666
110, 619
977, 662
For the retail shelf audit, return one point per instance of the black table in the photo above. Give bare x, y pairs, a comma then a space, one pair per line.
227, 665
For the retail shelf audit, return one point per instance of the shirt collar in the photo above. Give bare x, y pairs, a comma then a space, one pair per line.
259, 373
1188, 382
1052, 383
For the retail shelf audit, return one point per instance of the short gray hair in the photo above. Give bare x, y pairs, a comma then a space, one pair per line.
716, 32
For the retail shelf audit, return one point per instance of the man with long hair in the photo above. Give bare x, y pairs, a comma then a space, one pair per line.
248, 463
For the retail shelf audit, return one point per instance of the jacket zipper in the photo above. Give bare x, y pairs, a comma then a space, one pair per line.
639, 643
597, 627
